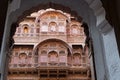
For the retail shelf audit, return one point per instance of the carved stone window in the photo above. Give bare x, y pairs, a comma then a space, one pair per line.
43, 56
76, 59
25, 29
53, 57
29, 60
62, 59
14, 59
52, 26
44, 27
75, 30
61, 27
22, 59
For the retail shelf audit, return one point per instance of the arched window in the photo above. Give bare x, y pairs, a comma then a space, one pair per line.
53, 57
25, 29
76, 59
43, 56
22, 59
62, 57
61, 27
75, 29
44, 27
52, 26
14, 59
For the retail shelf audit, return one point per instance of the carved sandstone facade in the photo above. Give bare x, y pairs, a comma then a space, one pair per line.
49, 45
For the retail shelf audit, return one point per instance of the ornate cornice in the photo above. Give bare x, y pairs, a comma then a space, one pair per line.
49, 5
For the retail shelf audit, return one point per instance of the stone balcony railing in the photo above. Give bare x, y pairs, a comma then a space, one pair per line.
28, 38
15, 66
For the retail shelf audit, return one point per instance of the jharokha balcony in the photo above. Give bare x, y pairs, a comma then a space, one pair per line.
47, 65
49, 46
50, 70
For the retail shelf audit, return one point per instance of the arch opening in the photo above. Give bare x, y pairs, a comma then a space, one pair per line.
102, 27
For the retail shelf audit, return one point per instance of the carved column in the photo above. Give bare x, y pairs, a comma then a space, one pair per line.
107, 47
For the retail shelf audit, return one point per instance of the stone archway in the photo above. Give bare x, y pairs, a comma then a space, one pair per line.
53, 39
103, 43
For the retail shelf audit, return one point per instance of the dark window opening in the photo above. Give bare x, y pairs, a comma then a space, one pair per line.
43, 75
52, 75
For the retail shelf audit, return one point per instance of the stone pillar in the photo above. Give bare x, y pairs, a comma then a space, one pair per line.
105, 46
5, 43
4, 50
98, 53
110, 51
111, 55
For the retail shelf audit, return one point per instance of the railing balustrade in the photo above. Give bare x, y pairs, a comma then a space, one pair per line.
46, 65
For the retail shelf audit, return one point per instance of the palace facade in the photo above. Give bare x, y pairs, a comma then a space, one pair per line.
49, 45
